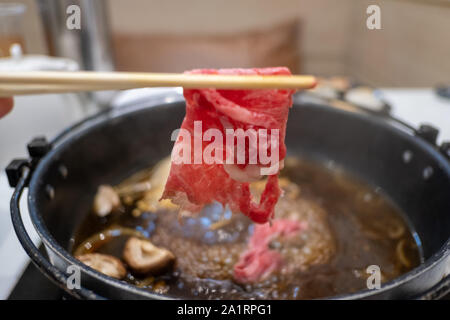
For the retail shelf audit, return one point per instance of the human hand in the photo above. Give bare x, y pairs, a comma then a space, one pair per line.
6, 105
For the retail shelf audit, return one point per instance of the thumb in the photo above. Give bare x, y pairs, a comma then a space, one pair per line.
6, 105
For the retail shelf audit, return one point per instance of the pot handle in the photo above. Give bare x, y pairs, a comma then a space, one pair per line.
38, 259
438, 291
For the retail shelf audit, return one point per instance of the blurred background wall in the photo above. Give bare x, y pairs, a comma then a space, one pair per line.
322, 37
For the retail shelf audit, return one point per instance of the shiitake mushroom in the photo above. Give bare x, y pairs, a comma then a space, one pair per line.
143, 257
104, 263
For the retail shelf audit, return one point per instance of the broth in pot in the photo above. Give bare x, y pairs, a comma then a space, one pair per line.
329, 234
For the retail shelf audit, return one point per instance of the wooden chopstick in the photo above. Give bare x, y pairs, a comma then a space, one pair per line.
16, 83
7, 90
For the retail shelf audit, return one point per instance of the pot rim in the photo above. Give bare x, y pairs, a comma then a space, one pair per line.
71, 134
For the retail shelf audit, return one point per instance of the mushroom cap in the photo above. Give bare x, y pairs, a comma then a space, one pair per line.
105, 200
144, 257
104, 263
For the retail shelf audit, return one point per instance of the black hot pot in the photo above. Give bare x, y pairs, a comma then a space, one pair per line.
62, 177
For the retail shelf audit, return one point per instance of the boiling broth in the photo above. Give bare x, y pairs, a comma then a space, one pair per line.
351, 226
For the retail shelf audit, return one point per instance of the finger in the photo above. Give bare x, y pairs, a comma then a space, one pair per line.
6, 105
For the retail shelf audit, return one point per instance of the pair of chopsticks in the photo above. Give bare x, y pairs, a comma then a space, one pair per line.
42, 82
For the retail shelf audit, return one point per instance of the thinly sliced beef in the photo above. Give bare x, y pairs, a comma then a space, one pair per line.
194, 185
259, 261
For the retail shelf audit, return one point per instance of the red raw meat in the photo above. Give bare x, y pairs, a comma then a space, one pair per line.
259, 261
194, 185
